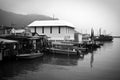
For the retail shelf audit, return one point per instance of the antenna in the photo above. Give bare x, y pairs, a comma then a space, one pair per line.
99, 31
86, 31
53, 17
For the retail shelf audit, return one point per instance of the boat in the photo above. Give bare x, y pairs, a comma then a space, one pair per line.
33, 50
62, 48
25, 47
29, 56
104, 38
7, 49
64, 51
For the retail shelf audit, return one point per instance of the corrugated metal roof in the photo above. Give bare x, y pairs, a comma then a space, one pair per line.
50, 23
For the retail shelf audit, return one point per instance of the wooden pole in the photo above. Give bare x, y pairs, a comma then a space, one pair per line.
1, 55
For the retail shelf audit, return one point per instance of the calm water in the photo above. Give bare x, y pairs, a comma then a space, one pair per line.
101, 64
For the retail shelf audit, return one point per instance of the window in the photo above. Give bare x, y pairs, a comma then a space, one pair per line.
59, 30
68, 29
35, 30
50, 29
42, 29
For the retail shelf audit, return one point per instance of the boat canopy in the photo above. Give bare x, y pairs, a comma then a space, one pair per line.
7, 41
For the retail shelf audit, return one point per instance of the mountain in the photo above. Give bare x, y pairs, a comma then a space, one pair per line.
19, 20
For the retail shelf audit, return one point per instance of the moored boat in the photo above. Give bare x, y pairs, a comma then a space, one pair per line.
67, 49
29, 56
104, 38
64, 51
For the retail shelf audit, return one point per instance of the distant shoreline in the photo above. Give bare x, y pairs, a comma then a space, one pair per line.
116, 36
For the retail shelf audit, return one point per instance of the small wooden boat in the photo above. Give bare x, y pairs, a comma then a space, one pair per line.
63, 51
67, 49
29, 56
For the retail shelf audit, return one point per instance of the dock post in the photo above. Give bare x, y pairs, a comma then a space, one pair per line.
68, 51
1, 55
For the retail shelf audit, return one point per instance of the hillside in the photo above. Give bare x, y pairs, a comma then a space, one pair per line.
18, 20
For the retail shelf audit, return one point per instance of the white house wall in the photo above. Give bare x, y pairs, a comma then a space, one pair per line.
80, 37
39, 30
46, 31
32, 30
64, 32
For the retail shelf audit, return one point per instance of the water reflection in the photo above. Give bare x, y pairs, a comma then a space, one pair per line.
11, 69
107, 45
62, 60
92, 60
65, 60
61, 67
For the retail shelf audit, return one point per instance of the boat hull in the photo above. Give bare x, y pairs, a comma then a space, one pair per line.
104, 38
66, 52
29, 56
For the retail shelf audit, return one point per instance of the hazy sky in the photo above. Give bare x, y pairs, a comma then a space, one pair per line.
84, 14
